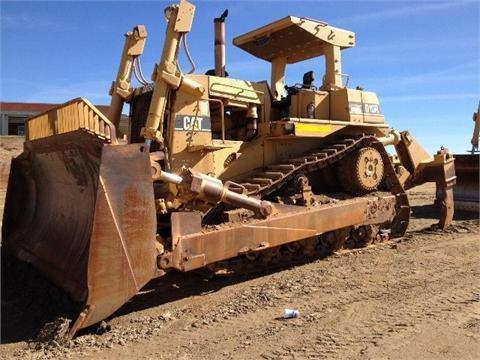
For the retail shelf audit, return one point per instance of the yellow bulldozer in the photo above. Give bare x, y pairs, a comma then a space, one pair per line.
217, 173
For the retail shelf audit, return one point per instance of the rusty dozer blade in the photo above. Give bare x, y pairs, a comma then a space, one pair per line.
466, 193
82, 212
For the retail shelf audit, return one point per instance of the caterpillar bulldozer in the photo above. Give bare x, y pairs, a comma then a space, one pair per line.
466, 192
217, 173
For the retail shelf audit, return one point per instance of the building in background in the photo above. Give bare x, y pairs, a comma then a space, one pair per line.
14, 114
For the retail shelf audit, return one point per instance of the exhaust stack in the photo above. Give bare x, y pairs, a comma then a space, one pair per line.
219, 28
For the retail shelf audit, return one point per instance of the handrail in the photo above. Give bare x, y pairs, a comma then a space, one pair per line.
222, 111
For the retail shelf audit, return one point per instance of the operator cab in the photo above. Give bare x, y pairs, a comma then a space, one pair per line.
291, 40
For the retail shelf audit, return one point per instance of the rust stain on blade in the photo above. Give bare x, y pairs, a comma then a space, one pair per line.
121, 236
122, 246
83, 213
49, 207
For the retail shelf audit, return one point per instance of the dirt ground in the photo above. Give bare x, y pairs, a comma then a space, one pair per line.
410, 298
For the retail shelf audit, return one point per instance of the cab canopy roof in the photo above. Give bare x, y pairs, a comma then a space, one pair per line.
294, 38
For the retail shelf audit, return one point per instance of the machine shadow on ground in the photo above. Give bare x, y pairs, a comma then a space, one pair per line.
430, 211
29, 300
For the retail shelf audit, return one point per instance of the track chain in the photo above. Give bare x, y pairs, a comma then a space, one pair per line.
277, 175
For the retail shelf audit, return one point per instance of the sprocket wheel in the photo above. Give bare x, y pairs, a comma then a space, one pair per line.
362, 171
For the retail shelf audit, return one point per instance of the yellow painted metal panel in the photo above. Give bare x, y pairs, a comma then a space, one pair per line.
74, 115
238, 90
288, 37
313, 128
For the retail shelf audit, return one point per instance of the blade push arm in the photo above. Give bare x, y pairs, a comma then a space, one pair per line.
120, 90
166, 75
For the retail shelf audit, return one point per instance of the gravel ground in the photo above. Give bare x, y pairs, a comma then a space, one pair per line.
415, 297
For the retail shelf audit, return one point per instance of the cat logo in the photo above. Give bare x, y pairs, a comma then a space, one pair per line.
357, 108
192, 123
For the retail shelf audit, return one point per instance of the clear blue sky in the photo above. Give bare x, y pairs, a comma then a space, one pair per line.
420, 57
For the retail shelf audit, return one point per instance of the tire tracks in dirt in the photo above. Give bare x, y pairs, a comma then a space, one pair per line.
362, 312
415, 297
